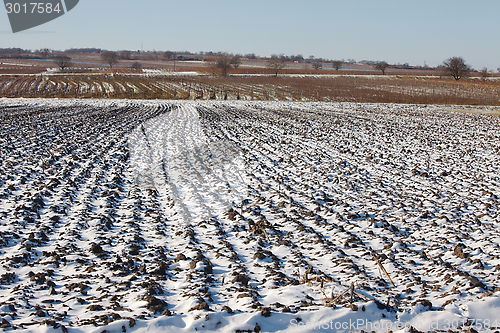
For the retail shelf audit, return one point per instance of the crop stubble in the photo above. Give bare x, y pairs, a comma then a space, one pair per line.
122, 209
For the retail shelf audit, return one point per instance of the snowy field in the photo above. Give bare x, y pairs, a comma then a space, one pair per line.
188, 216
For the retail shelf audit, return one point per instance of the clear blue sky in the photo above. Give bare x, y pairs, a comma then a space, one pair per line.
397, 31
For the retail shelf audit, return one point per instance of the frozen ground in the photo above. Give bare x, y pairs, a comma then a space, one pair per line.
224, 216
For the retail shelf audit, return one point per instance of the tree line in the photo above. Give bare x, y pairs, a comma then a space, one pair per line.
222, 63
455, 67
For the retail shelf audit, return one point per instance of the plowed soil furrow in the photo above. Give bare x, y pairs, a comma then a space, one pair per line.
216, 215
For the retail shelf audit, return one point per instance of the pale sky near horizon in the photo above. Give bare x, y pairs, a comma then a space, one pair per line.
396, 31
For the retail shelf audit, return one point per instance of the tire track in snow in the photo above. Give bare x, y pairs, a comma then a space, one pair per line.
198, 181
172, 155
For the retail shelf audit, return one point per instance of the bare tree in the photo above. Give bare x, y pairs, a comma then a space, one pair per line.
136, 65
456, 67
169, 55
297, 58
317, 65
44, 53
484, 74
110, 57
381, 66
63, 61
125, 55
236, 61
221, 64
276, 63
498, 69
337, 64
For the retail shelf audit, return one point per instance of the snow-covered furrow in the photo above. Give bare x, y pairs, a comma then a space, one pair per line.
286, 222
47, 211
83, 87
363, 212
108, 88
205, 215
172, 156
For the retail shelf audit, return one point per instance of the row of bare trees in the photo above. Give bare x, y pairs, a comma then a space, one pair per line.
221, 64
109, 57
455, 67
